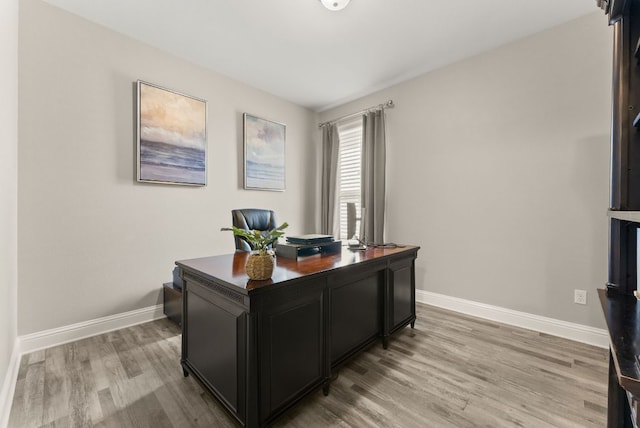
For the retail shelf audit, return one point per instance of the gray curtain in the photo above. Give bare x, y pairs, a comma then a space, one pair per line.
373, 176
330, 151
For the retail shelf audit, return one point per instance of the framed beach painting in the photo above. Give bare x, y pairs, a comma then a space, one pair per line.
264, 166
172, 137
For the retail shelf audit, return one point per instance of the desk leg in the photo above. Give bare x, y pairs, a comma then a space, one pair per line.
618, 412
325, 389
252, 393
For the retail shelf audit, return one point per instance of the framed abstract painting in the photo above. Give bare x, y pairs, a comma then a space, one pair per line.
172, 137
264, 165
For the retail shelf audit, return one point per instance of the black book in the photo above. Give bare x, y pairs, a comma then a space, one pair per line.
309, 239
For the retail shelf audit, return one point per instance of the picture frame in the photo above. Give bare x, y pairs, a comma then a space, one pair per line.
171, 136
264, 154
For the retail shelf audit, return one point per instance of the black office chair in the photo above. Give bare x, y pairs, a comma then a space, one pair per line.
252, 219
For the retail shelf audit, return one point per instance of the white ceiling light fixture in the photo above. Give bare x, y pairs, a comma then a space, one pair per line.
335, 5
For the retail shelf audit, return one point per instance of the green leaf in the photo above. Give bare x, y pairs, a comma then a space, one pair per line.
259, 240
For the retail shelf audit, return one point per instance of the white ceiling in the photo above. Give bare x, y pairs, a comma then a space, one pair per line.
316, 58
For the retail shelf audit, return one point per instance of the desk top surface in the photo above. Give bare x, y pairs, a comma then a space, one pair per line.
230, 268
623, 321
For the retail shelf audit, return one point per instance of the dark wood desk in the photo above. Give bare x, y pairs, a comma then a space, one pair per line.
622, 313
261, 346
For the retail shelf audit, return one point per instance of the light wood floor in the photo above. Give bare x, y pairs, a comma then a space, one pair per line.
451, 371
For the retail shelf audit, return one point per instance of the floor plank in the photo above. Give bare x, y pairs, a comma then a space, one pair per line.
452, 370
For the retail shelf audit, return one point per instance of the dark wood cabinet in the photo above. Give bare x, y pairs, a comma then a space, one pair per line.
261, 346
217, 333
172, 302
618, 302
291, 346
402, 295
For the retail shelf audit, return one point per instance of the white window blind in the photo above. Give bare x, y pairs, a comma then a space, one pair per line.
350, 166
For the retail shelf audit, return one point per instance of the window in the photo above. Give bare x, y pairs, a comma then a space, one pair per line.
349, 167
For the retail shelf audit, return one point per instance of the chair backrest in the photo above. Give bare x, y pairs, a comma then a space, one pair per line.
251, 219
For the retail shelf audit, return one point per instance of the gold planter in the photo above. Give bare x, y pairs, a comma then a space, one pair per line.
259, 267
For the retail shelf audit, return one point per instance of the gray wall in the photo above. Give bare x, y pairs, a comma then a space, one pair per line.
498, 168
92, 241
8, 188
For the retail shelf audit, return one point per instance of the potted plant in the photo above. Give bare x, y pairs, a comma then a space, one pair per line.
260, 262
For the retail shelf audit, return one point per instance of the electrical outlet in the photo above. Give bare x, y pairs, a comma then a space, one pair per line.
580, 297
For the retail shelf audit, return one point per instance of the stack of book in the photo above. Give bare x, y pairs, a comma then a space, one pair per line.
305, 245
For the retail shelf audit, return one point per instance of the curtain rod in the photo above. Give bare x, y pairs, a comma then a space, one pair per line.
387, 104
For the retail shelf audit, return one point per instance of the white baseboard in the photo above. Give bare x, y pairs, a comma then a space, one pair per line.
9, 384
578, 332
58, 336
